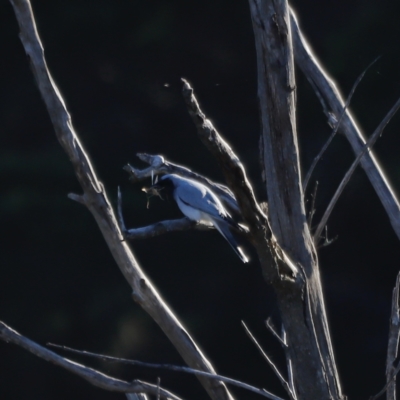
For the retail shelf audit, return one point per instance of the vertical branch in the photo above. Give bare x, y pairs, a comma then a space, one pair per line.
302, 306
393, 344
276, 92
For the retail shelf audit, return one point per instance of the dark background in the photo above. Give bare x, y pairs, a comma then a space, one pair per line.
118, 65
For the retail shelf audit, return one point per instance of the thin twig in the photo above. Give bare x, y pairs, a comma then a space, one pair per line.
136, 396
371, 141
312, 209
385, 388
170, 367
269, 361
327, 241
159, 228
393, 343
119, 213
269, 325
97, 202
332, 101
96, 378
337, 124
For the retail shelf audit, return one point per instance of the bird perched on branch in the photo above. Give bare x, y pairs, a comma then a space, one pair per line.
199, 203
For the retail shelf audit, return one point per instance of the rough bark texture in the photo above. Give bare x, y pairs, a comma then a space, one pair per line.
95, 198
301, 304
393, 344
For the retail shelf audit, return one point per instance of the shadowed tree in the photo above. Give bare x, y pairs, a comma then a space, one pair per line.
278, 229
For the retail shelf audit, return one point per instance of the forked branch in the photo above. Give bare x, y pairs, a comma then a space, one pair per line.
332, 102
94, 377
336, 124
367, 147
228, 161
284, 383
95, 198
170, 367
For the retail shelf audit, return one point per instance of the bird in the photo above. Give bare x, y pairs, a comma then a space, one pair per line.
199, 203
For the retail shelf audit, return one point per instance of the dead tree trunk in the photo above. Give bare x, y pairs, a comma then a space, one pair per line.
301, 302
279, 232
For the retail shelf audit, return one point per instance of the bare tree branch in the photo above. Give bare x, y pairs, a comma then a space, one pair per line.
289, 363
270, 362
228, 161
170, 367
312, 208
371, 141
95, 198
385, 388
96, 378
162, 227
136, 396
393, 344
271, 328
393, 347
309, 344
332, 101
159, 228
336, 125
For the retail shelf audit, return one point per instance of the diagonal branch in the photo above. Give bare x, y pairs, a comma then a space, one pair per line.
332, 101
371, 141
171, 367
313, 364
95, 198
274, 368
94, 377
268, 250
271, 328
228, 161
336, 125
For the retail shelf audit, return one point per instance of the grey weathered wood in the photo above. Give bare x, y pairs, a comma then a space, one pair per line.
96, 378
393, 343
170, 367
332, 101
95, 198
302, 307
367, 147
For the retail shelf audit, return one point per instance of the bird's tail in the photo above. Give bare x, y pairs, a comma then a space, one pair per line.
223, 229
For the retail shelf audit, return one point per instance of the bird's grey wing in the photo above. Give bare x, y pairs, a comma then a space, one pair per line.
223, 229
200, 198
